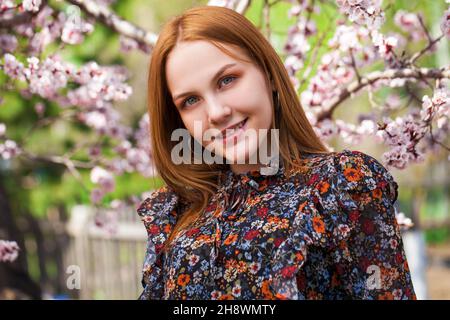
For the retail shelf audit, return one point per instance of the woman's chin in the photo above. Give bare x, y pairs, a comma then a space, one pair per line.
240, 153
235, 153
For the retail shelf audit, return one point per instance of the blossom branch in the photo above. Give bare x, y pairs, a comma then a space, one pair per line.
371, 78
313, 57
417, 55
70, 164
116, 23
435, 140
358, 76
65, 115
58, 160
424, 28
21, 18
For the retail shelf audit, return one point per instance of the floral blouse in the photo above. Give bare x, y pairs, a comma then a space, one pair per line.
325, 231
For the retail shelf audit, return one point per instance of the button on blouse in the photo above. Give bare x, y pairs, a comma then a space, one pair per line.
324, 231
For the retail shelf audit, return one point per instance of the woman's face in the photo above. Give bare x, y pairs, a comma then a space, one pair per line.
213, 91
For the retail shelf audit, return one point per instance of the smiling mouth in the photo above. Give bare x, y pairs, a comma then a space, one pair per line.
229, 132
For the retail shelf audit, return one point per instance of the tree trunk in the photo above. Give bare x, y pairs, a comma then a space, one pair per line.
15, 281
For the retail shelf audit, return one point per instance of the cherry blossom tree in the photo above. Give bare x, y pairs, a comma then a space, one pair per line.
354, 56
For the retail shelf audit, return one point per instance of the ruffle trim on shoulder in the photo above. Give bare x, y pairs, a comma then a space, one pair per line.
361, 177
289, 258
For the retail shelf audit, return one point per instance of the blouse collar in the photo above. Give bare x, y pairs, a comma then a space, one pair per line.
235, 188
250, 179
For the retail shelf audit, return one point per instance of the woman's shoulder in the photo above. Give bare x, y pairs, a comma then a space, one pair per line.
336, 189
159, 208
161, 197
358, 172
346, 170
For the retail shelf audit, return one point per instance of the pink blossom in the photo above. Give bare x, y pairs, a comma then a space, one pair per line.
40, 40
333, 72
106, 121
297, 45
94, 151
12, 67
47, 77
31, 5
6, 5
97, 195
367, 127
99, 83
295, 11
142, 134
135, 158
385, 45
117, 204
107, 221
138, 159
72, 32
9, 149
292, 64
96, 119
326, 129
127, 44
348, 37
400, 156
409, 22
25, 29
123, 147
296, 48
403, 135
39, 108
103, 178
9, 251
43, 17
363, 12
354, 134
436, 107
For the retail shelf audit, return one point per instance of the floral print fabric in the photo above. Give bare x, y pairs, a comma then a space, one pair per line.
325, 231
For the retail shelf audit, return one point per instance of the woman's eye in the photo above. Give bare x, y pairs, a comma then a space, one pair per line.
185, 102
224, 80
191, 100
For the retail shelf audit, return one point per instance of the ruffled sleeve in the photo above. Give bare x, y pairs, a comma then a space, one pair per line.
318, 222
349, 213
371, 263
290, 256
159, 214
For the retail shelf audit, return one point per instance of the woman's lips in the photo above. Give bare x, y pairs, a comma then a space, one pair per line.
234, 133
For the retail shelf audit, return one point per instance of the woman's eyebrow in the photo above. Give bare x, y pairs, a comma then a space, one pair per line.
217, 75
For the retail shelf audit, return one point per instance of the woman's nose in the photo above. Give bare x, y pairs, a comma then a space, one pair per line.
217, 112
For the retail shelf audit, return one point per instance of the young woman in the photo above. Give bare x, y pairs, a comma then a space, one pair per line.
321, 227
